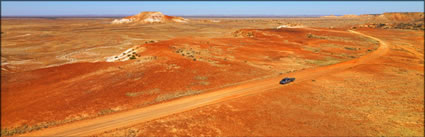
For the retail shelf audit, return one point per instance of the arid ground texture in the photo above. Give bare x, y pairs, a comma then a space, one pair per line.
355, 76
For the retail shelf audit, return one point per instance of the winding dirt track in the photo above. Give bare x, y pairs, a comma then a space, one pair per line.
132, 117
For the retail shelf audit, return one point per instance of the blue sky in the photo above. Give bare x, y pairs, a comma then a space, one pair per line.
99, 8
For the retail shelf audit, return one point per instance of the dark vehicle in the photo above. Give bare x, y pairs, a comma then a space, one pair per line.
287, 80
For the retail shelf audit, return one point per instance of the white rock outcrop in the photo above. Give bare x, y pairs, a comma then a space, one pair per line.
148, 18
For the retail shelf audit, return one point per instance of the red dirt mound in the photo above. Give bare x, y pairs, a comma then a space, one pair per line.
186, 65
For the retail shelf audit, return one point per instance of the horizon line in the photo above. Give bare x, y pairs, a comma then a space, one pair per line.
51, 16
205, 15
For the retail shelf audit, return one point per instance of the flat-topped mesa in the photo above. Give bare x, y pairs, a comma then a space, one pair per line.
388, 16
397, 16
149, 17
404, 16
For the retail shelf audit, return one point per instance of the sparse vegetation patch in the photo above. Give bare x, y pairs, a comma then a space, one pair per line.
312, 49
327, 61
174, 95
26, 128
334, 38
309, 35
202, 80
106, 111
149, 92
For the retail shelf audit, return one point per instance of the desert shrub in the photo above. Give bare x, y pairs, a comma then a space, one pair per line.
350, 48
105, 111
132, 57
250, 34
151, 41
131, 132
309, 35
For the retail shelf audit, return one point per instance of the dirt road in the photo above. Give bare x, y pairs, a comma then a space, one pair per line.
128, 118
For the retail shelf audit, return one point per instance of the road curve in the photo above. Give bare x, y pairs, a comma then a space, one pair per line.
132, 117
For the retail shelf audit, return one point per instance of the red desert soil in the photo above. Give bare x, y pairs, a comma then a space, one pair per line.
378, 95
106, 123
301, 117
51, 96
